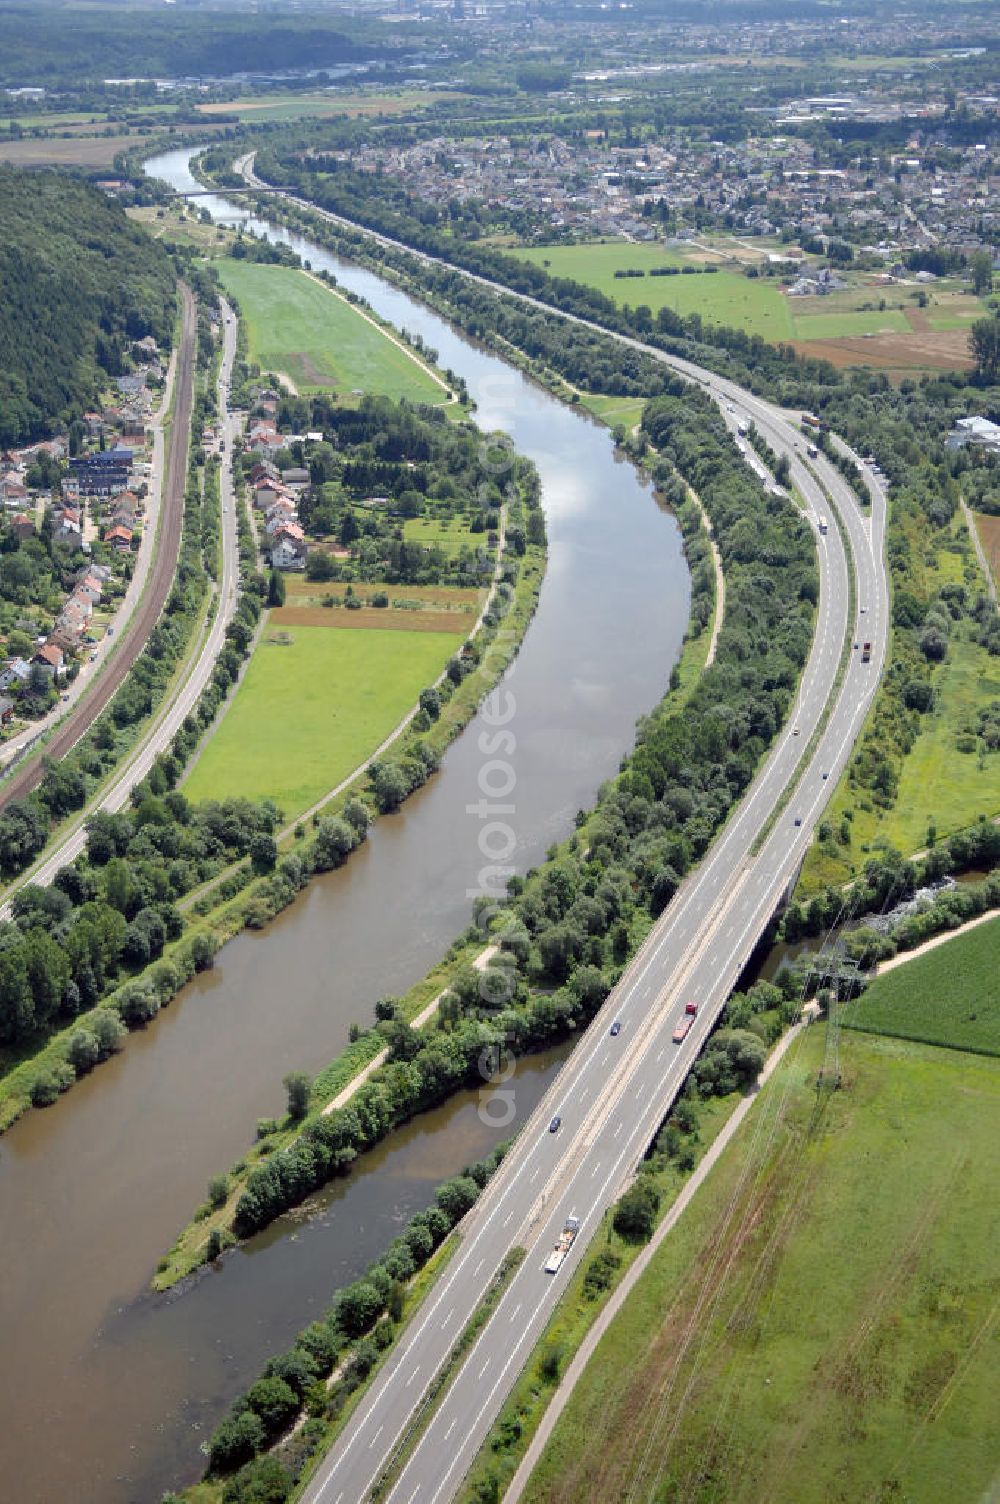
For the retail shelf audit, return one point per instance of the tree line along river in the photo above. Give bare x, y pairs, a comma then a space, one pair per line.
107, 1392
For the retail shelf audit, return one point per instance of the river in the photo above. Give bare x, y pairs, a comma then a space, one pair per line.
105, 1392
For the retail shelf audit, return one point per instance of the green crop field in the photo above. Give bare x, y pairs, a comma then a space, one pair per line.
948, 996
306, 714
296, 326
840, 324
723, 297
822, 1324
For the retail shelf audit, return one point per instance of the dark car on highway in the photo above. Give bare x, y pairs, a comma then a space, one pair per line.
554, 1125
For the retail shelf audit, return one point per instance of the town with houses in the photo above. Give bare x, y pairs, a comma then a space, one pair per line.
684, 183
76, 504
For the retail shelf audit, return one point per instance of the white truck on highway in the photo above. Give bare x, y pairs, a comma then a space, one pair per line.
565, 1243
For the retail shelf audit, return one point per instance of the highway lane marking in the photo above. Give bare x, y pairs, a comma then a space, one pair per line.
375, 1438
534, 1174
451, 1428
514, 1312
508, 1217
448, 1318
413, 1495
485, 1367
618, 1129
413, 1375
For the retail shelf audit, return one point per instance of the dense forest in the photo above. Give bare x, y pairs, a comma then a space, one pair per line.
124, 42
79, 281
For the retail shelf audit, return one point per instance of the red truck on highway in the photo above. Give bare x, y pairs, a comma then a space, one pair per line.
681, 1031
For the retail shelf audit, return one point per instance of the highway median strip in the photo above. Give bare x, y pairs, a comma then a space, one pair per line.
440, 1384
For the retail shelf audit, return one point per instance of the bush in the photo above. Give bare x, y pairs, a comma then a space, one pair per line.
218, 1190
263, 1481
83, 1051
600, 1273
235, 1441
275, 1402
635, 1213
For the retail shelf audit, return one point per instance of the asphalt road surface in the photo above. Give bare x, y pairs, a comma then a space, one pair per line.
614, 1091
171, 716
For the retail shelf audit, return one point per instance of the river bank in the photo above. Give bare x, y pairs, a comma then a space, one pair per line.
136, 1382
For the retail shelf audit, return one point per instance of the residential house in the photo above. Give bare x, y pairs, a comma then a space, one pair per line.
288, 553
16, 671
50, 659
263, 469
267, 492
67, 528
296, 475
123, 508
89, 588
22, 526
6, 709
119, 538
13, 491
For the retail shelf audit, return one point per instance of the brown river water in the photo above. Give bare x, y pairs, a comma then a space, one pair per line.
106, 1392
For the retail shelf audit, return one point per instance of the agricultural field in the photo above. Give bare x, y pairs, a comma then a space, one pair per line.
314, 703
948, 996
293, 106
822, 1323
319, 341
65, 151
868, 322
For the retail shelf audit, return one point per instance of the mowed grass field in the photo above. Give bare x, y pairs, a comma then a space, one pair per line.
306, 714
298, 327
949, 996
722, 297
898, 335
823, 1324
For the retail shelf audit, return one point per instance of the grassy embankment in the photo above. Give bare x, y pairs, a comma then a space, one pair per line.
822, 1321
318, 340
948, 779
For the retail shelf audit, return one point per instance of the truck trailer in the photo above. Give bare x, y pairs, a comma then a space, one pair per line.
565, 1243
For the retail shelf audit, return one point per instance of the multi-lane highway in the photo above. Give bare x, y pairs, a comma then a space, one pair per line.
615, 1089
171, 716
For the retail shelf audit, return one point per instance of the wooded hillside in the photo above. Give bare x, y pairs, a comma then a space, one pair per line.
78, 282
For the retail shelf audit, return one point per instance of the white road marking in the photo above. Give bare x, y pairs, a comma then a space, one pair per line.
413, 1375
375, 1438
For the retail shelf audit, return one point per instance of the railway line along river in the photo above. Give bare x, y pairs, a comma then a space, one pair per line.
106, 1392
